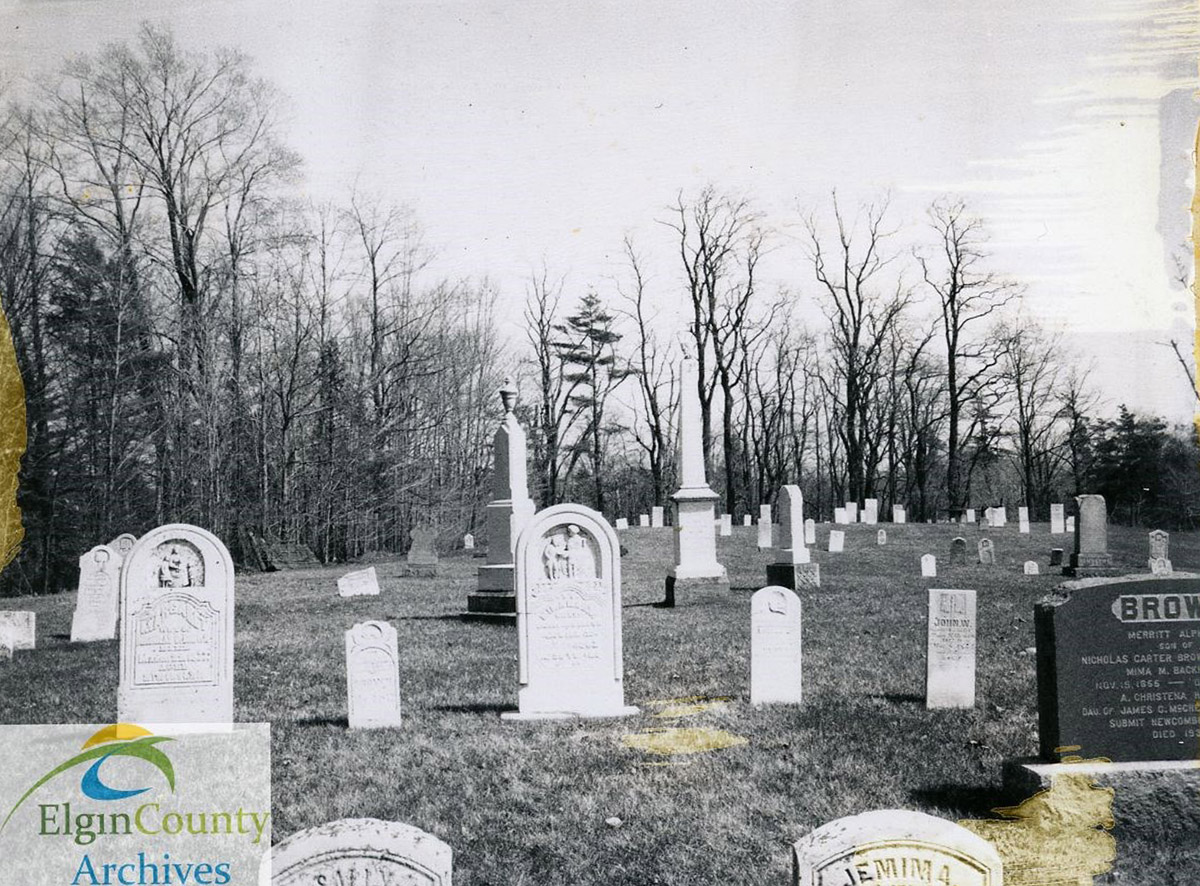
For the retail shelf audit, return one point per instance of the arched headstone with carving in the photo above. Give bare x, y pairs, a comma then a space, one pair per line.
359, 850
568, 576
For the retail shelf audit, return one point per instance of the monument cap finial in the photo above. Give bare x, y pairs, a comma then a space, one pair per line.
508, 394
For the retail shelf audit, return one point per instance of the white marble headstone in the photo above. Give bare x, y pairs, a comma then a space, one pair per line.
928, 566
899, 515
177, 599
837, 541
1031, 567
970, 515
643, 521
839, 516
775, 646
881, 537
950, 664
569, 617
810, 531
21, 627
726, 525
1023, 520
622, 523
656, 517
1057, 520
356, 851
468, 542
360, 583
372, 676
98, 601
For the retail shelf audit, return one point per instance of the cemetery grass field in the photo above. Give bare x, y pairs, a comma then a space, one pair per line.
527, 803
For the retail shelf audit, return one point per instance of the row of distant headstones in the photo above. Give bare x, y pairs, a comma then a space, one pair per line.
884, 845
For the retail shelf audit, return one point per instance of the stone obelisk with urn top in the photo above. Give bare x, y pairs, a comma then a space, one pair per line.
494, 597
696, 569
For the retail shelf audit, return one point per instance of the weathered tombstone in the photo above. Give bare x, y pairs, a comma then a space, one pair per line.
1023, 520
851, 512
987, 552
569, 617
899, 515
1071, 525
746, 520
123, 544
468, 542
1001, 516
643, 521
958, 551
177, 599
793, 567
372, 676
870, 512
1057, 523
950, 664
622, 523
766, 535
422, 559
98, 603
21, 627
775, 646
1118, 668
1160, 553
1031, 567
1091, 556
894, 847
928, 566
696, 568
360, 583
495, 598
656, 517
810, 531
881, 537
970, 516
726, 525
839, 516
1056, 556
358, 850
837, 541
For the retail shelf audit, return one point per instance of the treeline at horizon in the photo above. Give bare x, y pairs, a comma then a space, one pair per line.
197, 346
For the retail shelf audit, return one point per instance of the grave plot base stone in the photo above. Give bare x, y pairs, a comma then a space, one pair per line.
1090, 566
421, 570
794, 576
694, 589
1152, 800
495, 596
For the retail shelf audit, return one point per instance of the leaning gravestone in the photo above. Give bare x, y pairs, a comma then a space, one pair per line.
958, 551
1118, 668
987, 552
177, 598
356, 851
894, 847
1031, 567
422, 558
775, 649
928, 566
360, 583
837, 541
1091, 556
21, 627
569, 617
372, 676
950, 663
98, 602
1160, 553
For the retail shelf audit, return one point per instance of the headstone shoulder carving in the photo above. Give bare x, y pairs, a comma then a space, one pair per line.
123, 544
854, 850
176, 629
569, 617
98, 601
372, 676
359, 850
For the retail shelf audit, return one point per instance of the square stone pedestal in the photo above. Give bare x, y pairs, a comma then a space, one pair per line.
1090, 566
495, 597
1156, 800
794, 576
695, 588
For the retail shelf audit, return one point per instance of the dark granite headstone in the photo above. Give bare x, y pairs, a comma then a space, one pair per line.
1056, 556
1118, 668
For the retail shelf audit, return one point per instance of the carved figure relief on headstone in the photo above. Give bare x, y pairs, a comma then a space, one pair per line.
98, 602
569, 617
358, 850
987, 552
775, 646
177, 599
359, 583
950, 663
372, 676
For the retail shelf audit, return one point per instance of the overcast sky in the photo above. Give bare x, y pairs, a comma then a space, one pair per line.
523, 132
